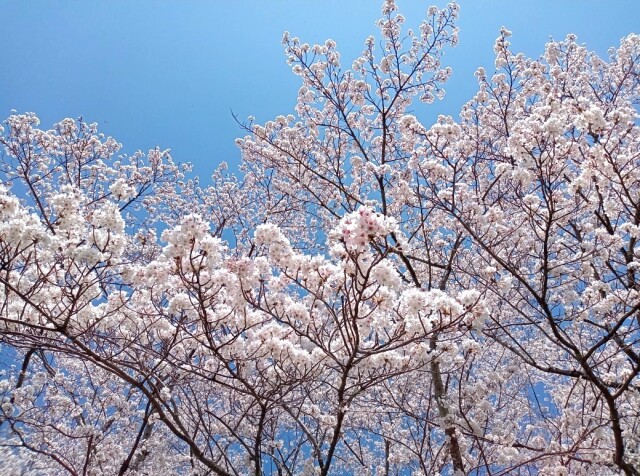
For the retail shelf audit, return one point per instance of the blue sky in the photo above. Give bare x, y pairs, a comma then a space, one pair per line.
169, 73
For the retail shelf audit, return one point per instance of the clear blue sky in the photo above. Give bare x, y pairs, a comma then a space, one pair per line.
169, 73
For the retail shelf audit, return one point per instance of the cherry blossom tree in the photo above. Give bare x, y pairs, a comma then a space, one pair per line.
370, 295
